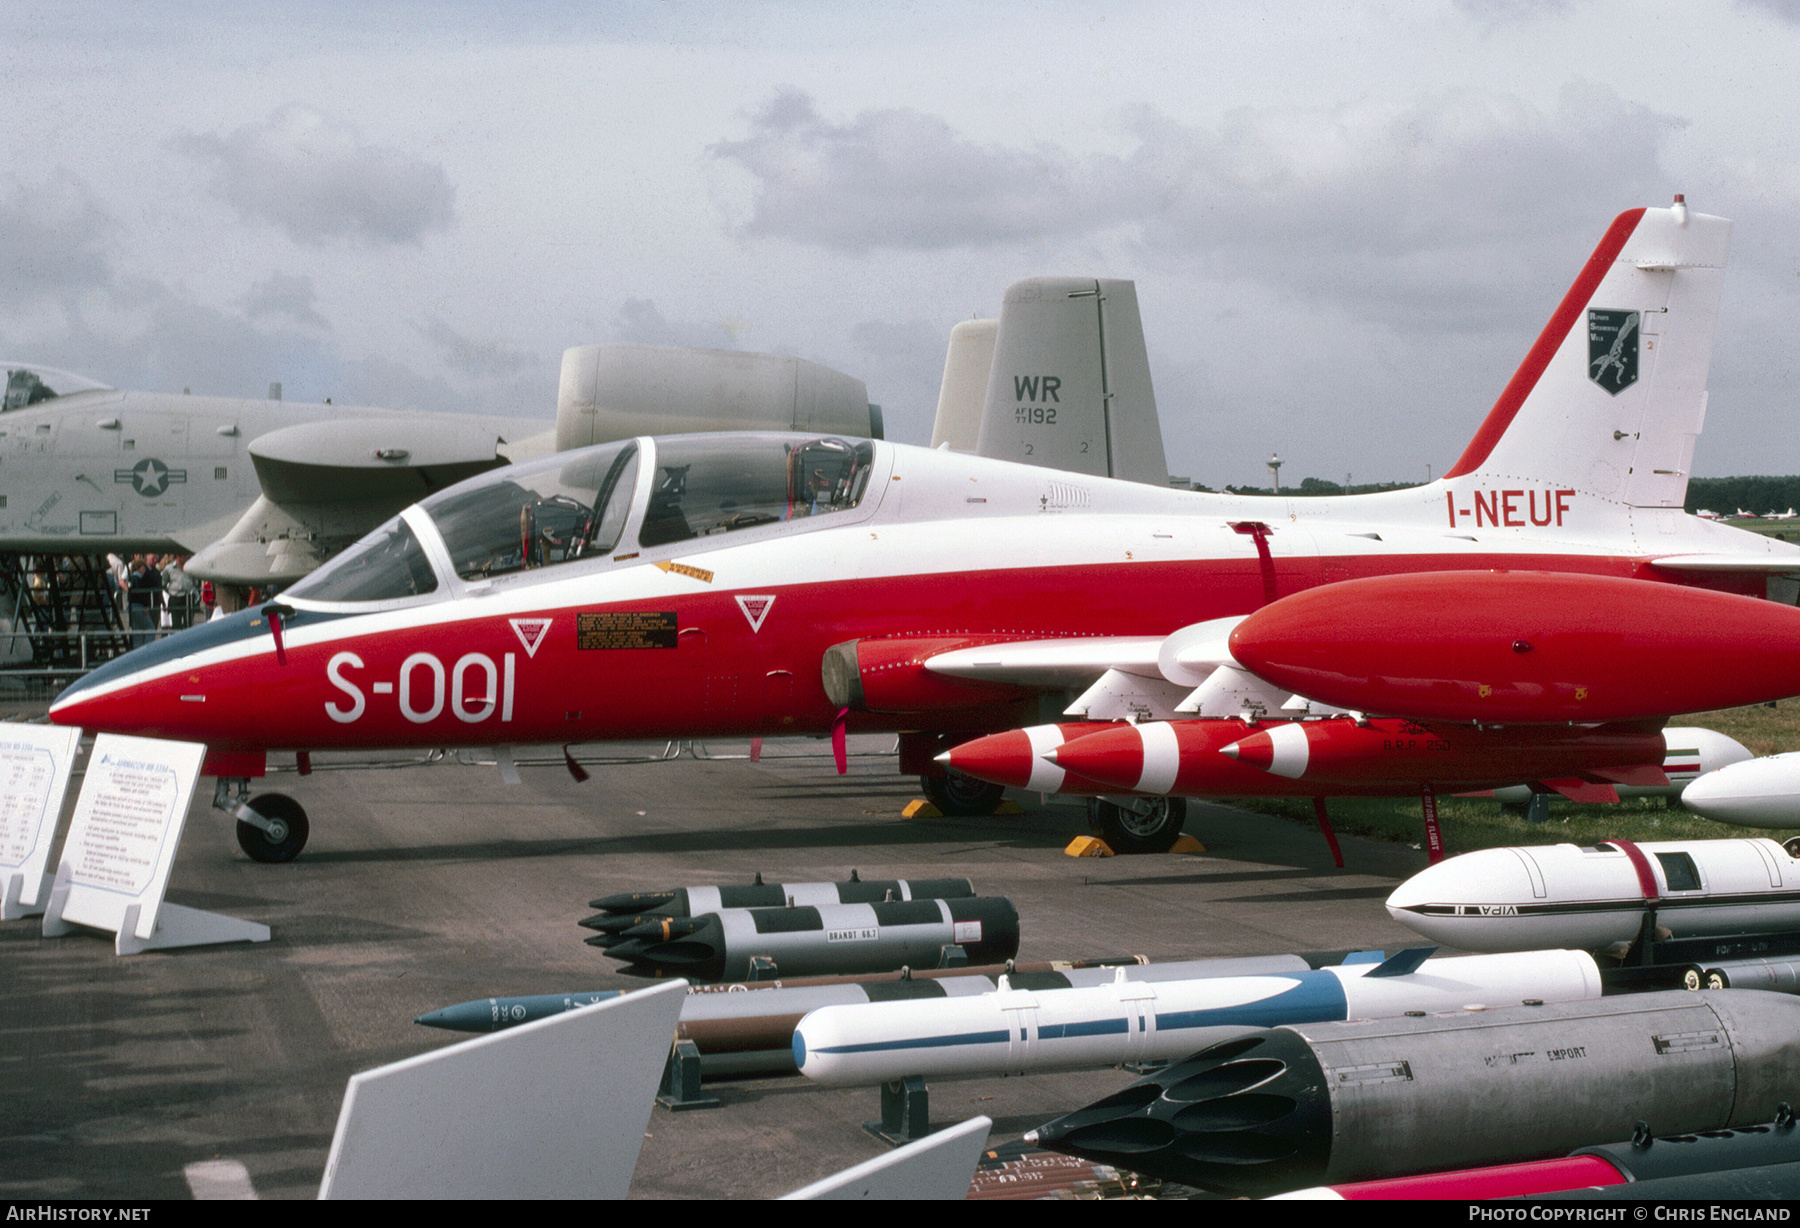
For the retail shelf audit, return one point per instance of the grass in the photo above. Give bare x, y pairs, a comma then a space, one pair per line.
1478, 823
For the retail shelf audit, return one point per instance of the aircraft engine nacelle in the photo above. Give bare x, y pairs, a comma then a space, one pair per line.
610, 392
889, 676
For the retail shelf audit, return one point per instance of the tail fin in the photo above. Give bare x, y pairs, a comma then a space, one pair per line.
1609, 401
967, 366
1070, 383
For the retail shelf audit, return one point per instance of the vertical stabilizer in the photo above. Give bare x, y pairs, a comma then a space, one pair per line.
1607, 405
1070, 384
966, 366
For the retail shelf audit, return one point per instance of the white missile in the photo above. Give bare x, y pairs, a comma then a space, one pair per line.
1690, 753
1756, 793
1519, 899
1013, 1031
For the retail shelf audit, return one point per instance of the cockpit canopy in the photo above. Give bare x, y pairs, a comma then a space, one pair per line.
582, 505
28, 384
572, 506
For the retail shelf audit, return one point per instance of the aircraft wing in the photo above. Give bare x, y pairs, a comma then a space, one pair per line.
1051, 663
373, 459
1188, 673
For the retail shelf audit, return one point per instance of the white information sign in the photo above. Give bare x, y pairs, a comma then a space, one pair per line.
35, 763
555, 1108
121, 846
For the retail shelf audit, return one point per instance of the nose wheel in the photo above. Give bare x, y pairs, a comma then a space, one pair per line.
271, 827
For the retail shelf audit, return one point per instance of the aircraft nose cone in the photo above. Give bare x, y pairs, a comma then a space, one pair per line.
78, 704
1754, 793
1257, 750
1000, 758
139, 693
1429, 902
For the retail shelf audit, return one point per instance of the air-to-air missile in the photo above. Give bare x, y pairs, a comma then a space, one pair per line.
745, 1028
1761, 1155
1341, 755
743, 1031
1754, 793
1690, 752
497, 1014
1016, 1030
1516, 647
1520, 899
825, 939
1317, 1104
1019, 758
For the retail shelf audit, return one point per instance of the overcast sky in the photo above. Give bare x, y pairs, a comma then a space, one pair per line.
1346, 222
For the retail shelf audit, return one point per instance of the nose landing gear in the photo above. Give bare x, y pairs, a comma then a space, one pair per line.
271, 827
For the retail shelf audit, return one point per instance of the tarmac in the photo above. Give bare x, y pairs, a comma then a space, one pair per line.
431, 882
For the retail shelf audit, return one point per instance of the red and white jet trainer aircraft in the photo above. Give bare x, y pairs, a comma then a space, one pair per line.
706, 586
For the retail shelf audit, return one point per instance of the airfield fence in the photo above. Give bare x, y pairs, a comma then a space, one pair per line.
62, 615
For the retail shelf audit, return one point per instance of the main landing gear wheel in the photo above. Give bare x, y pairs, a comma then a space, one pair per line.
287, 820
1138, 824
956, 794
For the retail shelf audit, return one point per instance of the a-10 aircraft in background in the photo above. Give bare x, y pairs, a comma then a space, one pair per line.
262, 492
86, 468
811, 583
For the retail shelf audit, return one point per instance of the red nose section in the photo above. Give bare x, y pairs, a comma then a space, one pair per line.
1523, 647
1112, 757
1000, 758
1257, 750
1015, 758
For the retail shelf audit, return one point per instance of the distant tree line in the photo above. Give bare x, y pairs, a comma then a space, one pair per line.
1755, 494
1319, 486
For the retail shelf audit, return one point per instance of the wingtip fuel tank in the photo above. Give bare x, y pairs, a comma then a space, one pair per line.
1523, 647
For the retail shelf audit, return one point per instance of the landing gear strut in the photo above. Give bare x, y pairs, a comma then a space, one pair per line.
271, 827
1138, 824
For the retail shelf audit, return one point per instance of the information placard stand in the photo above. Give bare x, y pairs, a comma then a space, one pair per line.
121, 846
35, 764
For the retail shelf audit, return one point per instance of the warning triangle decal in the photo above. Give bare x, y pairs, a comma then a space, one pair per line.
530, 632
756, 607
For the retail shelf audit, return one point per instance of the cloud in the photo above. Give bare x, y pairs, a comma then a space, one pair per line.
639, 322
902, 179
1432, 211
51, 240
313, 177
1427, 212
486, 359
1787, 10
1492, 13
280, 294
